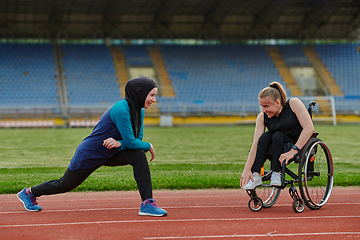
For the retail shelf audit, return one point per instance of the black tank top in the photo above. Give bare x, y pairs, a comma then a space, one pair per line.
285, 122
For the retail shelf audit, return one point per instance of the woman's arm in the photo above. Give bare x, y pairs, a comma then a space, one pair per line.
259, 130
121, 117
308, 128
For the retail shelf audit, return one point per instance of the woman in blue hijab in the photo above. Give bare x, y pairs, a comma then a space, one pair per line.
116, 140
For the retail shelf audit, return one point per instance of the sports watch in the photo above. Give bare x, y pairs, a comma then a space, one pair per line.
296, 148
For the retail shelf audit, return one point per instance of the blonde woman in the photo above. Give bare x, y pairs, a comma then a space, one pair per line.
286, 121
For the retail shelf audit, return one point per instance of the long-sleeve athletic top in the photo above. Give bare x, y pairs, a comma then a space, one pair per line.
114, 123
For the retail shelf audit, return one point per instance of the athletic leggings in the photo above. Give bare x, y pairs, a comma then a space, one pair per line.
73, 178
274, 143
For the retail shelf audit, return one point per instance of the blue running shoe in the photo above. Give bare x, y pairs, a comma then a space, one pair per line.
29, 201
150, 208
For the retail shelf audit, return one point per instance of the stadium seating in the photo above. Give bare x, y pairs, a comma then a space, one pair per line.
218, 78
343, 61
137, 56
293, 55
90, 75
27, 75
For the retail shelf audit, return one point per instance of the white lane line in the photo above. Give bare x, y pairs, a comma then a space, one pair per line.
170, 220
256, 235
165, 207
132, 198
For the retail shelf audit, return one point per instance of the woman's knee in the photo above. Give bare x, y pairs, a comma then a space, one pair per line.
138, 155
264, 139
278, 137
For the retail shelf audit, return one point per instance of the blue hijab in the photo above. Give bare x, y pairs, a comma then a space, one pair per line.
136, 91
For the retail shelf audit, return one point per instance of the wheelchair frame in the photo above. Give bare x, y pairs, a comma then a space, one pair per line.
315, 180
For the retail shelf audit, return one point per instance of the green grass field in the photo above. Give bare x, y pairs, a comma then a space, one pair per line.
186, 157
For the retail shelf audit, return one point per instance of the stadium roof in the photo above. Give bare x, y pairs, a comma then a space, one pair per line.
181, 19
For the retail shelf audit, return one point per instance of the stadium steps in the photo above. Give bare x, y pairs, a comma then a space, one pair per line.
322, 72
167, 89
284, 71
324, 106
123, 77
325, 77
120, 68
60, 78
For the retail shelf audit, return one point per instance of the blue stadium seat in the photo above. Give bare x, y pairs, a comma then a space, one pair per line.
27, 74
90, 75
294, 55
205, 75
137, 56
343, 62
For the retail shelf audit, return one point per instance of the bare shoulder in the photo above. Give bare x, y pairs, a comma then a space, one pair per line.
297, 105
260, 116
260, 119
295, 101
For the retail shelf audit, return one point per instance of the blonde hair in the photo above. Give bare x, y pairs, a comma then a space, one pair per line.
275, 91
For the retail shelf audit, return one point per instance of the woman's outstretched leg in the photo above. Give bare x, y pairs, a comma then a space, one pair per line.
70, 180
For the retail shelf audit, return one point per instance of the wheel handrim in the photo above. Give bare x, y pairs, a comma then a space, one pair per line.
318, 175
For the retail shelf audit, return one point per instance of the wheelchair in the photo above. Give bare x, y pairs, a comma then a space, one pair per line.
315, 177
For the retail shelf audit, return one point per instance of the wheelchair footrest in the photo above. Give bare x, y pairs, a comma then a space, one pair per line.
293, 193
252, 194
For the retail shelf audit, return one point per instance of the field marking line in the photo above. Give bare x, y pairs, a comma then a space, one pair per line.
170, 220
257, 235
165, 207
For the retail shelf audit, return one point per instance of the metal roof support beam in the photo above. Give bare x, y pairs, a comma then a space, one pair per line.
45, 34
99, 34
62, 34
116, 34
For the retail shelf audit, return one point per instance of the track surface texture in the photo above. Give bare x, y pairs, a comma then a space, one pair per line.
192, 214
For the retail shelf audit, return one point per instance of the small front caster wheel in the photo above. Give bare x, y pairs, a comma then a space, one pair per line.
298, 205
255, 204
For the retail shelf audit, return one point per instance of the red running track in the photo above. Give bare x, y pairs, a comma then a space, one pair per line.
192, 214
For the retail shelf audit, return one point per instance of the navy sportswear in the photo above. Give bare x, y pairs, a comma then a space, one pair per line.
114, 123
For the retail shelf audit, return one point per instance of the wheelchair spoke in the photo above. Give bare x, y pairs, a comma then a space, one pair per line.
317, 175
265, 192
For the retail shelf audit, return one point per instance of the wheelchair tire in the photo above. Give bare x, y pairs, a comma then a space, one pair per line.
267, 193
298, 205
255, 204
316, 173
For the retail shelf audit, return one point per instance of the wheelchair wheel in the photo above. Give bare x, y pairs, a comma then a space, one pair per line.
298, 205
316, 173
255, 204
267, 193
